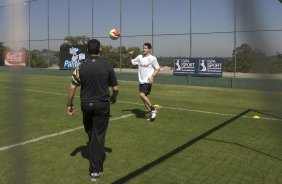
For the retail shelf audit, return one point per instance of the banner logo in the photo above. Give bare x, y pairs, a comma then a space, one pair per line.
209, 67
14, 58
183, 66
71, 56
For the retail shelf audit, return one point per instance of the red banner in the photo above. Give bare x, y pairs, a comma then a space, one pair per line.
14, 58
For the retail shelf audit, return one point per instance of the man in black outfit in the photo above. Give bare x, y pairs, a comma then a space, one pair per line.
94, 75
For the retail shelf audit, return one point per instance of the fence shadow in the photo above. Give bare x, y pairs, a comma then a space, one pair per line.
245, 147
275, 115
177, 150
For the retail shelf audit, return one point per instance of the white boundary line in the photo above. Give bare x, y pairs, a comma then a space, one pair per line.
36, 91
55, 134
204, 112
165, 107
121, 117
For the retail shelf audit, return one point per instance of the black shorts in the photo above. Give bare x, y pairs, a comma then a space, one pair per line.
145, 88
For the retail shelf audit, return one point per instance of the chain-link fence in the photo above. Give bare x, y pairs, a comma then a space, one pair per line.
178, 28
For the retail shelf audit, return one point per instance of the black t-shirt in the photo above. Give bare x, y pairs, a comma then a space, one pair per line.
95, 75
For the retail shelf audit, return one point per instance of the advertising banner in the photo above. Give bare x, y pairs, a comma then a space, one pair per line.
14, 58
208, 67
72, 55
198, 67
183, 66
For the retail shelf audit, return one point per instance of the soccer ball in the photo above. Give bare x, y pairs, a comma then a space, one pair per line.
114, 34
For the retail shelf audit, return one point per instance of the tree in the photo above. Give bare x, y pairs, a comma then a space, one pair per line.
36, 60
111, 54
76, 40
2, 50
260, 62
166, 61
275, 62
244, 58
228, 65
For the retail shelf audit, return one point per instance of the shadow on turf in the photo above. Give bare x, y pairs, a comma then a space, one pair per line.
271, 114
177, 150
138, 113
84, 151
248, 148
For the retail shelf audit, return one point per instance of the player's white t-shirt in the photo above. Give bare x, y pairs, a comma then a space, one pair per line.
146, 67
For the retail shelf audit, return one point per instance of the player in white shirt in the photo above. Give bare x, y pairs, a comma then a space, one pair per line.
148, 68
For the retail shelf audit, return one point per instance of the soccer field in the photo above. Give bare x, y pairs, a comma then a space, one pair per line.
201, 135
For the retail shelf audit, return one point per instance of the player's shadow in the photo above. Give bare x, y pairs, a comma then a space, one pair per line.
84, 151
138, 113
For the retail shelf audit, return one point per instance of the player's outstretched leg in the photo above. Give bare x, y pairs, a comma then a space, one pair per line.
149, 106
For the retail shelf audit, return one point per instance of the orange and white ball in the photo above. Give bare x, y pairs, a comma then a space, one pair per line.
114, 34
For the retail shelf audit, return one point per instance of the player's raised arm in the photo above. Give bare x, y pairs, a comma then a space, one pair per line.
130, 54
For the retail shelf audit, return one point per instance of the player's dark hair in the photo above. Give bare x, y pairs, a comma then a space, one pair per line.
93, 46
148, 45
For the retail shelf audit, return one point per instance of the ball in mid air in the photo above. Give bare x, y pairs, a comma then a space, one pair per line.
114, 34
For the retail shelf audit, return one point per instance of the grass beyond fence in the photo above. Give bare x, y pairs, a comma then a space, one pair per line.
224, 82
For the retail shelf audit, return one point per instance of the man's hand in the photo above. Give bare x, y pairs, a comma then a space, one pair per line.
113, 99
151, 79
71, 110
130, 54
71, 93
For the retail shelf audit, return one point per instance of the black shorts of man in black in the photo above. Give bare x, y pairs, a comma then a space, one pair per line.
145, 88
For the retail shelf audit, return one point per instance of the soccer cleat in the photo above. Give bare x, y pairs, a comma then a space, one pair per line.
95, 176
153, 115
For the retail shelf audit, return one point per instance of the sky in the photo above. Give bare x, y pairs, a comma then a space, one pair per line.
212, 24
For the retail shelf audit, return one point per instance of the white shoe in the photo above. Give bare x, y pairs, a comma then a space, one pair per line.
95, 176
153, 114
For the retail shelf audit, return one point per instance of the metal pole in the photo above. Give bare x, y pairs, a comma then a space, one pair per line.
14, 27
190, 27
68, 17
153, 26
92, 35
48, 30
190, 34
235, 37
29, 55
120, 39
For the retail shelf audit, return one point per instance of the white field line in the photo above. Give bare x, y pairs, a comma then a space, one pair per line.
36, 91
128, 81
165, 107
121, 117
204, 112
55, 134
